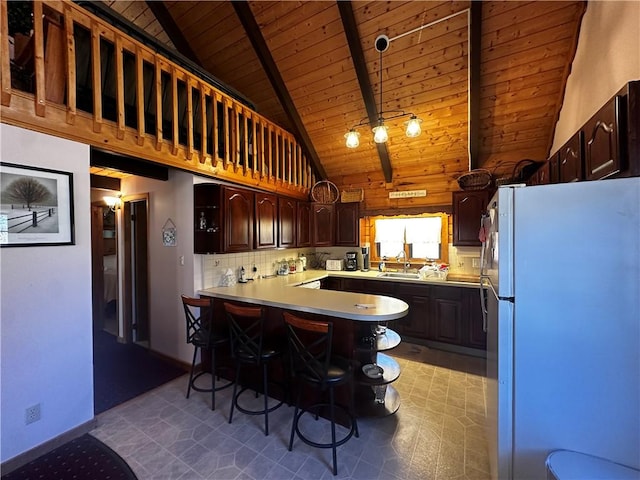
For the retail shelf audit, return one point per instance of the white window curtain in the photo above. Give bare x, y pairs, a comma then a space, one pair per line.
390, 230
423, 230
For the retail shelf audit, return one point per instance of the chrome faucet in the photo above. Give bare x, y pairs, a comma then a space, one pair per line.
405, 264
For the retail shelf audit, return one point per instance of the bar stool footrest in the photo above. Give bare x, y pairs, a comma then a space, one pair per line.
318, 406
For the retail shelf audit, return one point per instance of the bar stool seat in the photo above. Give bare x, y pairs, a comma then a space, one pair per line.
246, 327
201, 334
312, 363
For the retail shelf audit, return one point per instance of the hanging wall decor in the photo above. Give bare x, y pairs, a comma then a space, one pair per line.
169, 233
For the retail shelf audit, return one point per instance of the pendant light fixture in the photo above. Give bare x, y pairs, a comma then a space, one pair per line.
381, 131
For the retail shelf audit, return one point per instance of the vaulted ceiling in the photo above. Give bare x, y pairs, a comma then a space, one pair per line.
312, 68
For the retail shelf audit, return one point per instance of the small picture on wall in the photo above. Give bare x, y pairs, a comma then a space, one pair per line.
36, 206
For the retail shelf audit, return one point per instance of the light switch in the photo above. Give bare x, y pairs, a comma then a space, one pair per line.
182, 260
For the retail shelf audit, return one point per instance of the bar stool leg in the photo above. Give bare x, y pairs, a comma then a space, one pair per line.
235, 388
265, 391
333, 432
193, 364
213, 379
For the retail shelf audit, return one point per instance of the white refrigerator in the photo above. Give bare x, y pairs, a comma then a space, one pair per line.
561, 298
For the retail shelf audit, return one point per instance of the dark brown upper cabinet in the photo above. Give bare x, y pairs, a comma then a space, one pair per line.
207, 237
605, 141
467, 211
238, 224
347, 224
287, 210
303, 224
570, 159
266, 232
322, 221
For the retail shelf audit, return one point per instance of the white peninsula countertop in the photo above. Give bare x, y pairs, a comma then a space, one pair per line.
280, 292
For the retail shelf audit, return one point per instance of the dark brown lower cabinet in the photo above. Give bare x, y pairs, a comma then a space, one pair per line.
445, 314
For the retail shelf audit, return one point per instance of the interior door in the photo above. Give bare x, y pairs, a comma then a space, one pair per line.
97, 267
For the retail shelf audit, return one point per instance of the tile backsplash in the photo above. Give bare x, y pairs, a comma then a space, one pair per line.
462, 261
216, 265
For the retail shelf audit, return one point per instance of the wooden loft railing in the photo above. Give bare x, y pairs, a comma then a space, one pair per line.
80, 78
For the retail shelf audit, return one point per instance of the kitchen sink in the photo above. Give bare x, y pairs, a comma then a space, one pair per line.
412, 276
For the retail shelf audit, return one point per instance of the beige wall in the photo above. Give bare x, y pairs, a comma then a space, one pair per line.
607, 56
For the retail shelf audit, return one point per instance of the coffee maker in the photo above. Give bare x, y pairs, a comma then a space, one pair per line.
365, 259
351, 262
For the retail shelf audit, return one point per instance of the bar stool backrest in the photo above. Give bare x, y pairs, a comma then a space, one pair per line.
246, 326
309, 348
199, 326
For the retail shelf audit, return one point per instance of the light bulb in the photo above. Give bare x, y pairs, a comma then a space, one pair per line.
380, 134
413, 127
353, 138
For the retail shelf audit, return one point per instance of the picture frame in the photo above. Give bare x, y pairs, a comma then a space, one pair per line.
36, 206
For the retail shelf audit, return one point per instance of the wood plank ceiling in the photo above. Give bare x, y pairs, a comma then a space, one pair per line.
525, 57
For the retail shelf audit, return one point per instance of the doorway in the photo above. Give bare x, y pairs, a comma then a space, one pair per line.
136, 269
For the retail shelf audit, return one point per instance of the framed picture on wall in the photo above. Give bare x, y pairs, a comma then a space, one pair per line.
36, 206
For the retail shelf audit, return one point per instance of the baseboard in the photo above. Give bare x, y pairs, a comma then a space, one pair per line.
473, 352
30, 455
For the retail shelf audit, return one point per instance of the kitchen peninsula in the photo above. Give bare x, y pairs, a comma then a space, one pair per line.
355, 317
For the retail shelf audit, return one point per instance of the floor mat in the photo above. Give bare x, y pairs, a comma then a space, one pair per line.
85, 457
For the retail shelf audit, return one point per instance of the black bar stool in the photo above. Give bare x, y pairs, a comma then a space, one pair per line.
311, 363
200, 334
246, 326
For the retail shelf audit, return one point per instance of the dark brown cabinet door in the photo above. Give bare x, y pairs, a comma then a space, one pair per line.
541, 177
303, 224
322, 224
347, 225
447, 307
286, 222
266, 232
416, 323
238, 225
603, 153
570, 160
477, 337
467, 211
207, 237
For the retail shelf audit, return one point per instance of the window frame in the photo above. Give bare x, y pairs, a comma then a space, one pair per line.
444, 239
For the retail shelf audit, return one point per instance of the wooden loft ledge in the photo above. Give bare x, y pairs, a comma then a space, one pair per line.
78, 77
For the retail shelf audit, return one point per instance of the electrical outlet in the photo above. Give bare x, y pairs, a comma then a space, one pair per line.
32, 414
475, 263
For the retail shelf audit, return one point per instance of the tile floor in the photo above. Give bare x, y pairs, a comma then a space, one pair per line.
438, 433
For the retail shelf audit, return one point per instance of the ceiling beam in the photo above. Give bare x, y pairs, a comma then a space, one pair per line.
475, 46
251, 28
172, 30
357, 57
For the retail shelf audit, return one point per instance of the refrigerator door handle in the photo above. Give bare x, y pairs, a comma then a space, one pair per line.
483, 304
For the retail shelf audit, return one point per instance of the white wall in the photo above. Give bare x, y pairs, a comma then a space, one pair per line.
45, 322
607, 57
167, 278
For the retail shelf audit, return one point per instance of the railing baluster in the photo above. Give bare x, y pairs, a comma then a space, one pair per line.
236, 135
140, 95
5, 68
270, 135
119, 88
96, 77
203, 123
254, 145
226, 131
174, 109
38, 33
70, 59
189, 119
158, 71
245, 141
263, 163
215, 157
